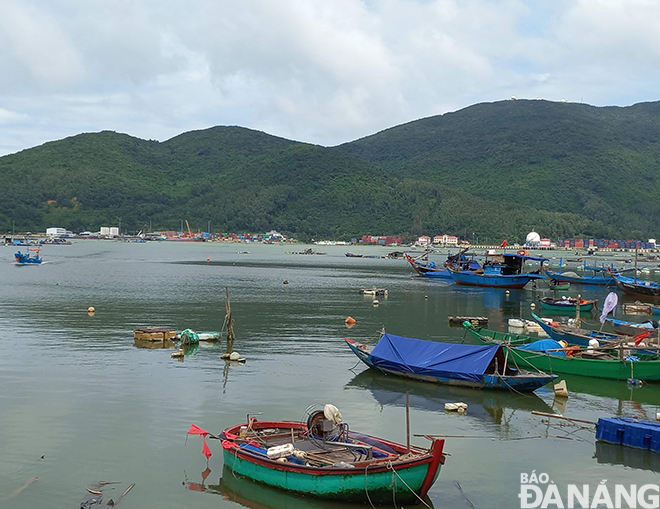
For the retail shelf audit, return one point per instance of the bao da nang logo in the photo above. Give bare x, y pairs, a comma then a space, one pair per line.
540, 491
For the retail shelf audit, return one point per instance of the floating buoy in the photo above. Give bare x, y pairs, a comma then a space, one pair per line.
91, 309
532, 305
234, 356
461, 408
375, 302
426, 296
507, 292
208, 259
349, 320
286, 282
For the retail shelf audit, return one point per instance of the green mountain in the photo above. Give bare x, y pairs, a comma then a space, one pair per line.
490, 171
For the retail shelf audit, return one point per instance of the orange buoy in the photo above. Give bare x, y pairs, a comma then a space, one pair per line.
349, 320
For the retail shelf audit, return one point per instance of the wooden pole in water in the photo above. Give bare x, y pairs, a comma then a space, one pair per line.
408, 421
230, 325
555, 416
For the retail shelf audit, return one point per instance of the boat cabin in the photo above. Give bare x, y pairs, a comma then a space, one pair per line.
509, 263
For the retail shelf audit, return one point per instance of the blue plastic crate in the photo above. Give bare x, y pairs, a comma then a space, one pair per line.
629, 432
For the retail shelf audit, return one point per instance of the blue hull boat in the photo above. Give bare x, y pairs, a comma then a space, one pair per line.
476, 366
571, 277
28, 258
581, 337
638, 287
494, 280
429, 269
504, 270
576, 336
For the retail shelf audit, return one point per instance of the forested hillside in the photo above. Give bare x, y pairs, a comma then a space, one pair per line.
497, 170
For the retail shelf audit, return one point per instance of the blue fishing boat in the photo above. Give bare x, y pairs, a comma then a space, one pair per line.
602, 276
632, 328
500, 271
643, 343
577, 336
30, 258
476, 366
637, 287
460, 261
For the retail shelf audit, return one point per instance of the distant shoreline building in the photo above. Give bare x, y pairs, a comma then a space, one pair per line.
386, 240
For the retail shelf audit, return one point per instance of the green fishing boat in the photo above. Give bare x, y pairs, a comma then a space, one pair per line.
557, 285
322, 458
566, 305
552, 357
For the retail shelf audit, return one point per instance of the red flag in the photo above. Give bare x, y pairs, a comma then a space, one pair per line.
205, 450
196, 430
641, 337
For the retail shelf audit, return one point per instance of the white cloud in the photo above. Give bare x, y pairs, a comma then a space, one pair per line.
311, 70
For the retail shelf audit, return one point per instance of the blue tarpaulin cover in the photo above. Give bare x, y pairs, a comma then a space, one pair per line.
429, 358
545, 345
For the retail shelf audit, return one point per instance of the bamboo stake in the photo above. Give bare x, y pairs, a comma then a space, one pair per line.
230, 325
408, 421
555, 416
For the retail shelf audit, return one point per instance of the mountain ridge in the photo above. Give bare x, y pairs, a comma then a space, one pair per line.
495, 169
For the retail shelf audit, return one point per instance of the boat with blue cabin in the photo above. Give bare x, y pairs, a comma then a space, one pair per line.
460, 260
500, 271
476, 366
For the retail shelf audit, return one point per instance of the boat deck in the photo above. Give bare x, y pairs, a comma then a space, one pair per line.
341, 451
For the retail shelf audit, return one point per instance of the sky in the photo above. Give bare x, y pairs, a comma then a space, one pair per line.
318, 71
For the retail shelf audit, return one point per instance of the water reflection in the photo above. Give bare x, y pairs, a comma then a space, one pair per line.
615, 389
147, 343
611, 454
482, 404
250, 494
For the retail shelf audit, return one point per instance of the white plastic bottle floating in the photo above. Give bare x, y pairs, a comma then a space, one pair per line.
280, 451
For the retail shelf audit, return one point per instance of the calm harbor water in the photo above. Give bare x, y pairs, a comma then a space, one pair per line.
81, 403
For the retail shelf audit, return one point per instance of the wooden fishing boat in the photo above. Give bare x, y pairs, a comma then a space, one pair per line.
499, 271
550, 356
632, 328
322, 458
558, 285
637, 287
568, 305
599, 275
446, 363
460, 260
496, 337
642, 343
577, 336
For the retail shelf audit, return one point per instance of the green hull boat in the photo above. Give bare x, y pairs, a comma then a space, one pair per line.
355, 467
599, 364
